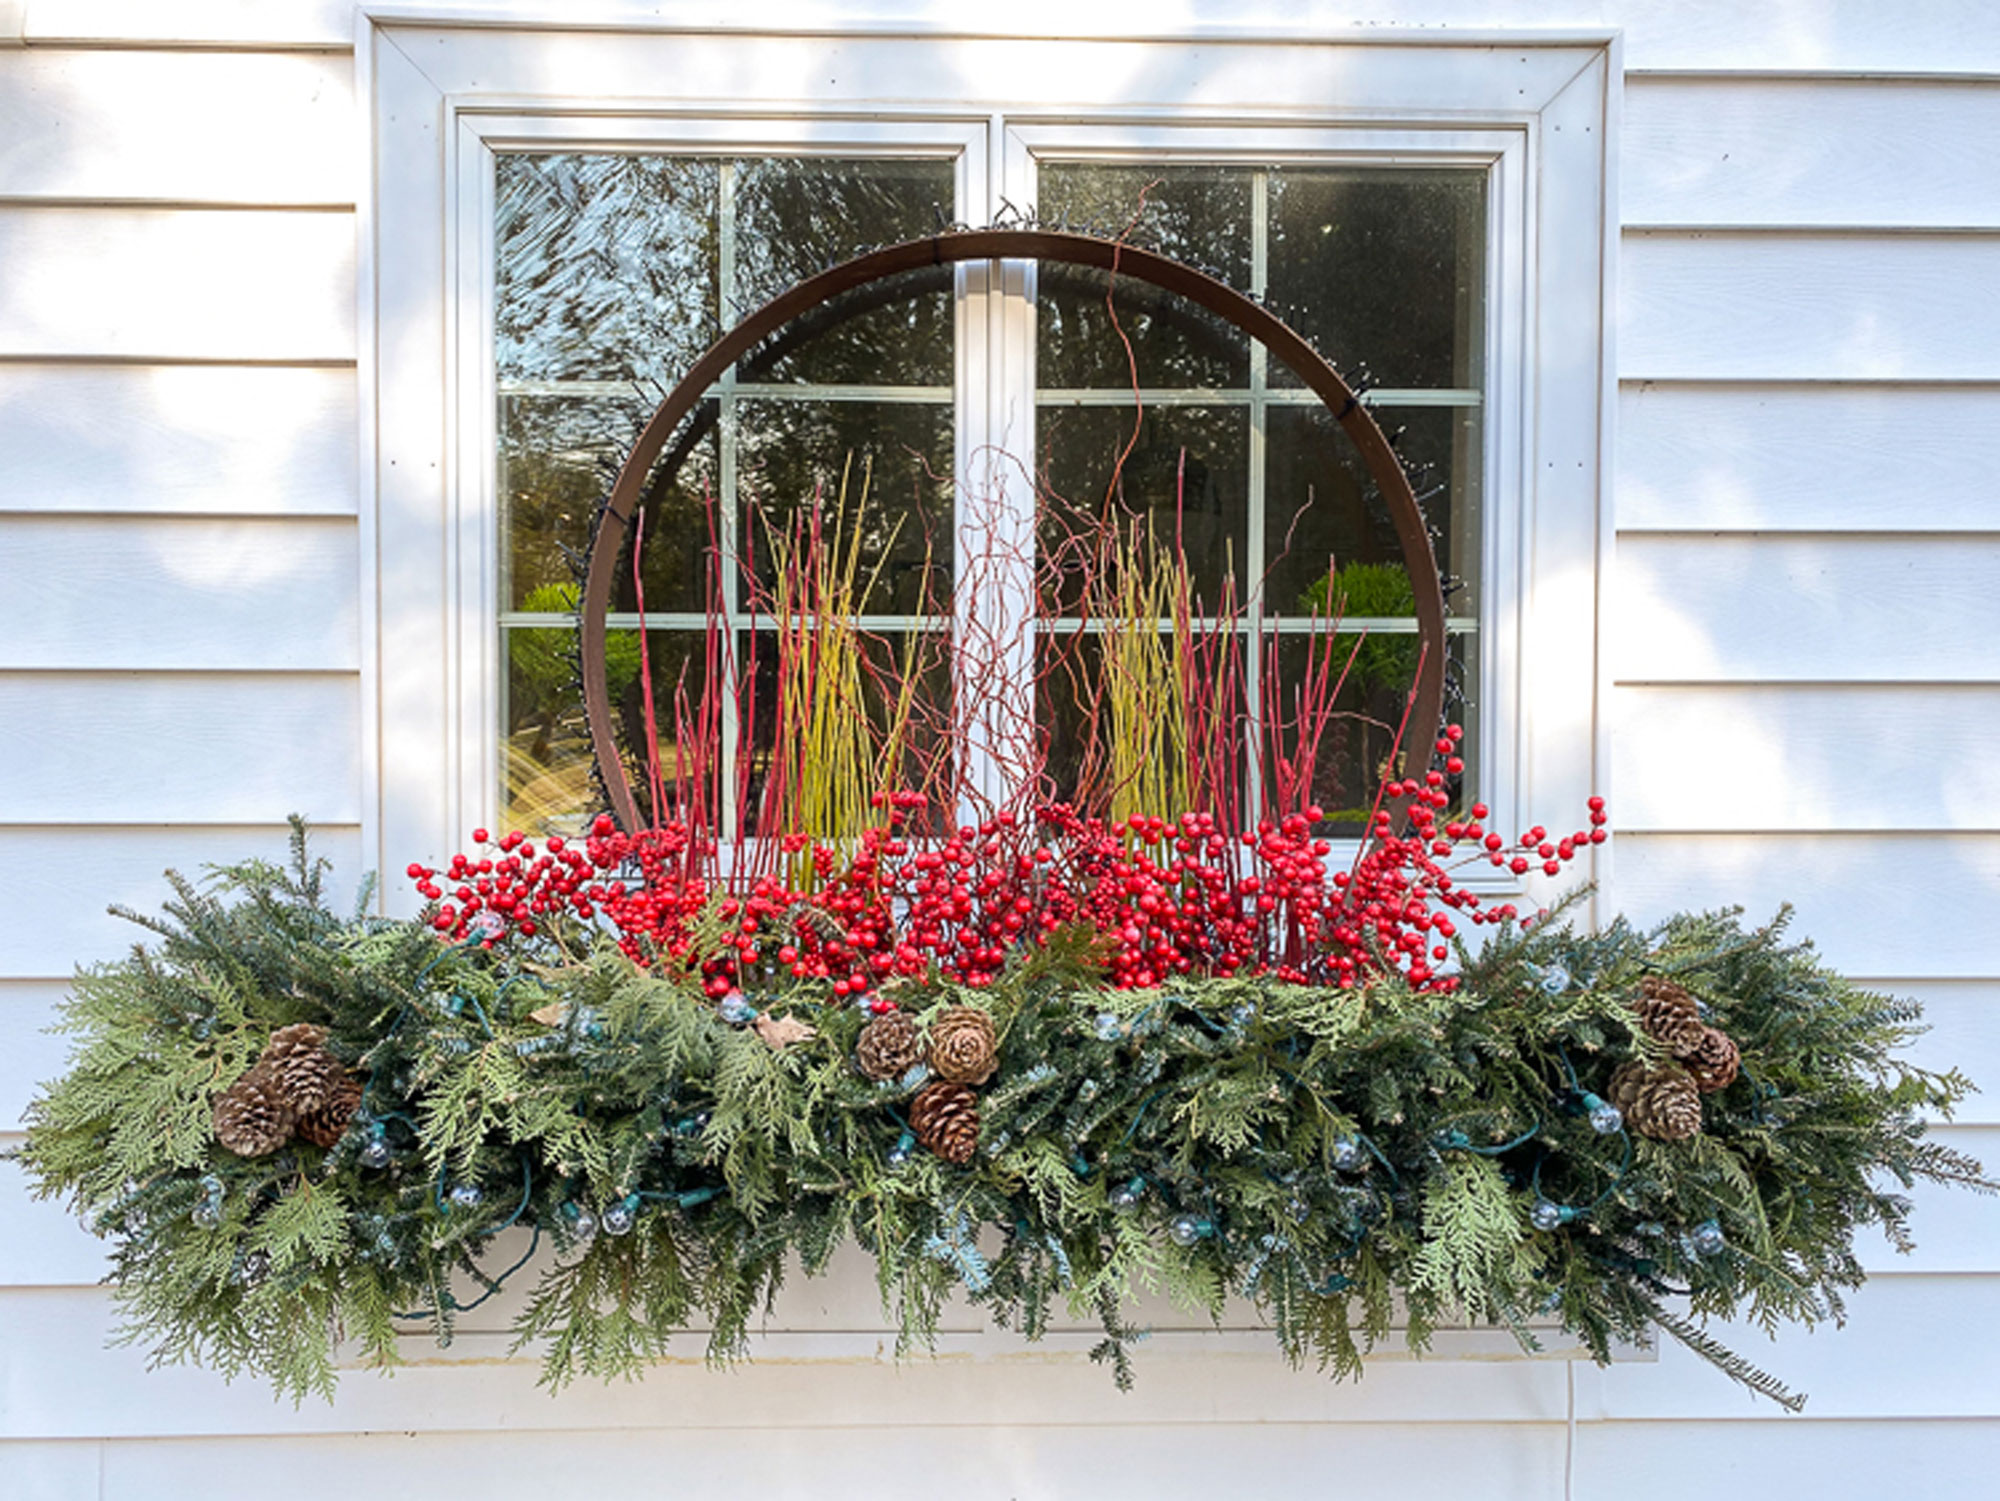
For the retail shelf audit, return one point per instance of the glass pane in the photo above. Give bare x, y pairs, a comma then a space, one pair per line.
1192, 213
1382, 268
1354, 730
876, 718
1185, 480
795, 217
1324, 512
880, 472
558, 457
606, 266
546, 779
1069, 671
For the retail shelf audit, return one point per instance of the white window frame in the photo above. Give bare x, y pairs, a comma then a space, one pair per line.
442, 95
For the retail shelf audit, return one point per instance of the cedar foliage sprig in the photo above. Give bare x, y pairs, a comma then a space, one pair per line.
1319, 1151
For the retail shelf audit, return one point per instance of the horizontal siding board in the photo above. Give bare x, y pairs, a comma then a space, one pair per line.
190, 127
1904, 1352
1908, 904
46, 1245
1964, 1021
1765, 1456
1703, 151
63, 1471
63, 1382
1779, 759
1772, 609
178, 439
1826, 457
30, 1054
179, 284
1948, 36
1730, 306
122, 592
889, 1462
134, 748
59, 919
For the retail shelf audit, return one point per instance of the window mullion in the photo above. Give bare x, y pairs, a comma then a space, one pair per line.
1252, 566
727, 530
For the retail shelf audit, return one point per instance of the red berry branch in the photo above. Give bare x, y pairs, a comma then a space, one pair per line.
1167, 898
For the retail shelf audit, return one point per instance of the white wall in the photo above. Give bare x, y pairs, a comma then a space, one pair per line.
1808, 434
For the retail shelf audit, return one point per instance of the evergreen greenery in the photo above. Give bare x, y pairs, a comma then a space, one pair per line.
1349, 1160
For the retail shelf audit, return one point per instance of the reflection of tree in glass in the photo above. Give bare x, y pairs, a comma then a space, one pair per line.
795, 454
1187, 475
1382, 268
606, 265
1195, 214
796, 217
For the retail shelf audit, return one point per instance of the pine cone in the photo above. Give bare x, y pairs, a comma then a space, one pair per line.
963, 1047
889, 1046
1712, 1061
1658, 1100
325, 1126
296, 1057
1668, 1014
251, 1117
945, 1117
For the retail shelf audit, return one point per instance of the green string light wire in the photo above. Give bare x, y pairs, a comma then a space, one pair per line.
1572, 1212
1456, 1140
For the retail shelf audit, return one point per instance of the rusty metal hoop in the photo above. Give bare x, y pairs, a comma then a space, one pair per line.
1063, 247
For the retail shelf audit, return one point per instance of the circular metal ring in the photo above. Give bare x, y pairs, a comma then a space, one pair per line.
992, 245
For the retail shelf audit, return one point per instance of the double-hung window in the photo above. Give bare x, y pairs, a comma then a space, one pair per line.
564, 221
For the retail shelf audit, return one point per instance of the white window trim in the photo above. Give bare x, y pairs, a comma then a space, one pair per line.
439, 94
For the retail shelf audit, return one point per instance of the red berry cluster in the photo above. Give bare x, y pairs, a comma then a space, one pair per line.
1167, 897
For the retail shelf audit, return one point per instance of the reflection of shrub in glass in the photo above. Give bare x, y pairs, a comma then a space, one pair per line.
546, 775
1364, 590
544, 657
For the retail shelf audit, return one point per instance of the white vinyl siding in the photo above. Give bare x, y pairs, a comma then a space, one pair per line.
1799, 620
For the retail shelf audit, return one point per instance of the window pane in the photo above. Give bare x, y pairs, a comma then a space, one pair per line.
1354, 730
1195, 214
1184, 480
877, 719
796, 217
880, 473
607, 266
1382, 268
1324, 511
547, 773
558, 455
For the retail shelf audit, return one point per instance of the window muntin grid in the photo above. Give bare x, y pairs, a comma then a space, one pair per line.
592, 404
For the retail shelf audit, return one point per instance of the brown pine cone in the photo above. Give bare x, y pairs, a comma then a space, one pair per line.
1658, 1100
889, 1046
1712, 1061
296, 1057
325, 1126
963, 1047
945, 1117
251, 1116
1667, 1013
